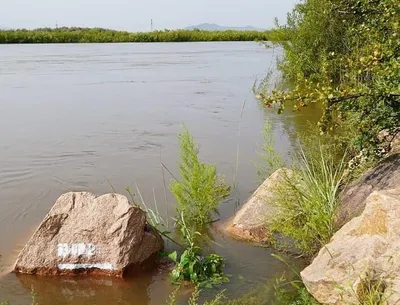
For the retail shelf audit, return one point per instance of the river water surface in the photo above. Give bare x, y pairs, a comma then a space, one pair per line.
82, 117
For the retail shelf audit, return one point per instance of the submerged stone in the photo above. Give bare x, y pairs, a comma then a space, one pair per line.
83, 233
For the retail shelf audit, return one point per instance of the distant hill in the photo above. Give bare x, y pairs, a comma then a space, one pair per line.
216, 27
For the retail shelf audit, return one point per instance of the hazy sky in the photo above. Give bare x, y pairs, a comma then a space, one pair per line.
134, 15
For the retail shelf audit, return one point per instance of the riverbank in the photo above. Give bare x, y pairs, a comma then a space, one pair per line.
98, 35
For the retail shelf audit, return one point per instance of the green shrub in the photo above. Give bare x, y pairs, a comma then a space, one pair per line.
199, 190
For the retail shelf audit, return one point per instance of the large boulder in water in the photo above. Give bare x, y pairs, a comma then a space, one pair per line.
365, 251
252, 220
85, 234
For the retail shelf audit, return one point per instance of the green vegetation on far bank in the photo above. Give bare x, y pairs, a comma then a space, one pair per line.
98, 35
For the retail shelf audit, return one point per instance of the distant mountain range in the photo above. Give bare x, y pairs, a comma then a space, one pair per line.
216, 27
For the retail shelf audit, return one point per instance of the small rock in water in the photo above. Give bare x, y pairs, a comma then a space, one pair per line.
251, 222
84, 234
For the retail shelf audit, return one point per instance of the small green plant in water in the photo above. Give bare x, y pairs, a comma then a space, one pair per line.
203, 271
200, 189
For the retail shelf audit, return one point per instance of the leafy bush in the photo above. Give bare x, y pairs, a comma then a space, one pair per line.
345, 55
192, 266
200, 189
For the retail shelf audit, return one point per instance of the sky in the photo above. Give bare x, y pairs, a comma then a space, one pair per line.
134, 15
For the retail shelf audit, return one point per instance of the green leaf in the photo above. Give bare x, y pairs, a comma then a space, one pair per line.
173, 256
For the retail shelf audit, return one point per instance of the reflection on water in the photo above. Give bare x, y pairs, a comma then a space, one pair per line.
79, 117
81, 290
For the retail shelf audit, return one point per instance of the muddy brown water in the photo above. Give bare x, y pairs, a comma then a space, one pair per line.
82, 117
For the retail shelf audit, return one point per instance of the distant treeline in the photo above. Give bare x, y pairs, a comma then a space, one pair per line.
97, 35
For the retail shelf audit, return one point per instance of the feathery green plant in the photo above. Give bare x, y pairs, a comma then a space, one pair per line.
200, 189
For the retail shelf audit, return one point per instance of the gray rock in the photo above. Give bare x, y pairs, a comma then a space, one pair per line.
85, 234
367, 247
252, 220
385, 175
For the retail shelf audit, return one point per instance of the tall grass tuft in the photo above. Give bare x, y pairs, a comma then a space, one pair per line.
199, 189
309, 199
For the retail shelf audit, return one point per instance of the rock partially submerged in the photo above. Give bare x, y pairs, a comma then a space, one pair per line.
85, 234
252, 220
367, 248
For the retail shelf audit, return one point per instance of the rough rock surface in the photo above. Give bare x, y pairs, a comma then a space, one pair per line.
390, 142
251, 221
85, 234
385, 175
368, 247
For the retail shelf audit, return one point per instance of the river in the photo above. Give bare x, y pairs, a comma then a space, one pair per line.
88, 116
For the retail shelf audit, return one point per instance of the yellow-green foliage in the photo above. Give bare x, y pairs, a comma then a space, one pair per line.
199, 190
97, 35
